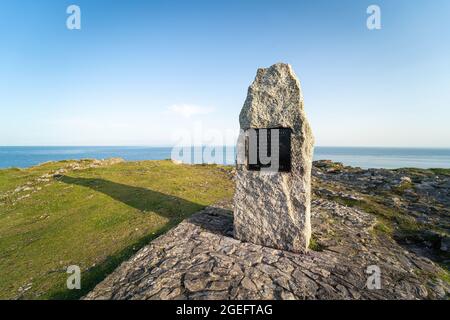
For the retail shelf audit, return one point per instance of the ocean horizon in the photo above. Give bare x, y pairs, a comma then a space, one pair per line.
364, 157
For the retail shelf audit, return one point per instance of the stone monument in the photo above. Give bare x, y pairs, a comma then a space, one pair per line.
274, 158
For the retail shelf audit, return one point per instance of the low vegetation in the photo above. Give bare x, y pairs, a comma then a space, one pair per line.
405, 213
98, 214
92, 217
315, 245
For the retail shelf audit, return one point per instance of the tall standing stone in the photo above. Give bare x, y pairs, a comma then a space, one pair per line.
273, 208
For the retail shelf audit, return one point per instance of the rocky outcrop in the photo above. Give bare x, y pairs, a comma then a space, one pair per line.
413, 205
199, 259
45, 180
273, 208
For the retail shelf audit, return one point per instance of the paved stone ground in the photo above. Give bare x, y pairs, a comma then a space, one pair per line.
199, 259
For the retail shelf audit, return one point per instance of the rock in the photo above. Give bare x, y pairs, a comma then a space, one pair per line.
73, 165
445, 244
194, 284
248, 284
322, 163
337, 272
177, 162
198, 259
405, 180
273, 208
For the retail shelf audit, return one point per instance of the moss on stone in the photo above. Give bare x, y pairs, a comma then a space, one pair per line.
315, 245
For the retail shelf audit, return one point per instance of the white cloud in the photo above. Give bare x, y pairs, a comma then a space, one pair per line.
188, 110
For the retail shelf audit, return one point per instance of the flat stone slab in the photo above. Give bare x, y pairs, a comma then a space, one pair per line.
200, 260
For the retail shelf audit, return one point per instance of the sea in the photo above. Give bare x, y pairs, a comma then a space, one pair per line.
364, 157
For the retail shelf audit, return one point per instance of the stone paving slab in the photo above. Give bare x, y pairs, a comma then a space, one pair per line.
199, 259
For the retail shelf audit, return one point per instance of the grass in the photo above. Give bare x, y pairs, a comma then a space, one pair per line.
94, 218
425, 172
440, 171
314, 245
383, 226
444, 276
390, 220
11, 178
400, 189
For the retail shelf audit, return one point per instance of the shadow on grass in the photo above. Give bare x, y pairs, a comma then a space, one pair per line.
171, 207
143, 199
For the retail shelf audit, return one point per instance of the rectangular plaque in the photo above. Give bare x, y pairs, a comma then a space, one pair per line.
283, 151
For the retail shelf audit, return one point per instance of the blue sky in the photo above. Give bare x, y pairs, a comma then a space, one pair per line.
138, 70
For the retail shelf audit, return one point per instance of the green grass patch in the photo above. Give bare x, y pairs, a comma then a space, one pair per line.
383, 226
444, 172
400, 189
94, 218
444, 276
315, 245
390, 220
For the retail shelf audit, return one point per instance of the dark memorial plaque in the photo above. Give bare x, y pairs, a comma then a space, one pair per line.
282, 151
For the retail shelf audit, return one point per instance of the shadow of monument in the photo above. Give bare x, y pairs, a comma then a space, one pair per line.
215, 219
143, 199
174, 208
